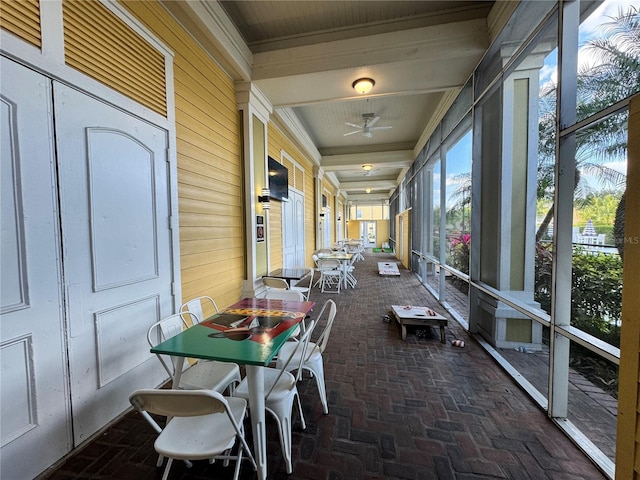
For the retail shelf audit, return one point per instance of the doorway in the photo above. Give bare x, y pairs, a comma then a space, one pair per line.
368, 234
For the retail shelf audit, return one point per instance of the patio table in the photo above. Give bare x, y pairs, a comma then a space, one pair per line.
252, 341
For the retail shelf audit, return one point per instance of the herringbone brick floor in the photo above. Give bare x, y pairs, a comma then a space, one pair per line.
415, 410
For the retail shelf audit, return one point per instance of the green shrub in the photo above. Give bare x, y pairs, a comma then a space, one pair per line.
596, 291
596, 294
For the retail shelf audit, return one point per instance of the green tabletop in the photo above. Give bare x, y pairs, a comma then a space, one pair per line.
208, 340
195, 342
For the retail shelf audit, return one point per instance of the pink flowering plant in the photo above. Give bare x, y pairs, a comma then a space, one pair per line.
459, 248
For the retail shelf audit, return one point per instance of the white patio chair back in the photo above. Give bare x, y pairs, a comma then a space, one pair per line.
288, 295
330, 275
312, 360
304, 284
203, 425
201, 374
285, 295
275, 283
203, 307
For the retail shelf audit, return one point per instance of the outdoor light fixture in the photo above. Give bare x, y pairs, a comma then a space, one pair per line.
264, 199
367, 167
363, 85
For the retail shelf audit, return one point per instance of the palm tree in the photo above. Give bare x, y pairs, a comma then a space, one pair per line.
615, 77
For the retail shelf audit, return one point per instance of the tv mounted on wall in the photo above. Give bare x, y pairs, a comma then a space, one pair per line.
278, 180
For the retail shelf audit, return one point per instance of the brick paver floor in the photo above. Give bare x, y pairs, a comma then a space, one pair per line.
415, 410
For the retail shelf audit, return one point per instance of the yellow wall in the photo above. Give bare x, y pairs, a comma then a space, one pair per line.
382, 227
278, 143
209, 164
403, 241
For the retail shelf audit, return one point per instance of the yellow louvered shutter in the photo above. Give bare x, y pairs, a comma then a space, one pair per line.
299, 178
22, 18
101, 45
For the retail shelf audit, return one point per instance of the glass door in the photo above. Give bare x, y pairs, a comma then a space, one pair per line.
368, 234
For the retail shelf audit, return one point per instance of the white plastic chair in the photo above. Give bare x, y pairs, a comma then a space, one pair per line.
288, 295
330, 275
205, 375
313, 359
198, 305
316, 262
273, 283
285, 295
304, 284
203, 425
280, 392
351, 279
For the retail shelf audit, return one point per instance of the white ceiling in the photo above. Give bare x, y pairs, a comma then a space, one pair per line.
304, 56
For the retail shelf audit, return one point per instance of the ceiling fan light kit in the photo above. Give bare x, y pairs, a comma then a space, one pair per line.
363, 85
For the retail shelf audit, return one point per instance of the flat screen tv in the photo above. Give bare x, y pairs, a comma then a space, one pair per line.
278, 180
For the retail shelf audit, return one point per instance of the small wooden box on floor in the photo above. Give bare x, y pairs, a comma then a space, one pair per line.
418, 316
388, 268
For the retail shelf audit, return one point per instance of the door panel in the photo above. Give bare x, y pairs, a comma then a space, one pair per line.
33, 382
298, 199
293, 230
114, 198
289, 232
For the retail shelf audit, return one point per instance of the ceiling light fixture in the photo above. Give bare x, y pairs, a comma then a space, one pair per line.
368, 190
363, 85
367, 167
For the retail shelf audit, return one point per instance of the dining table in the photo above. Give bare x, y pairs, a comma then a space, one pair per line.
250, 332
344, 258
288, 274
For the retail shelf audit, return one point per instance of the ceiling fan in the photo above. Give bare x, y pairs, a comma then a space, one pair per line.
368, 127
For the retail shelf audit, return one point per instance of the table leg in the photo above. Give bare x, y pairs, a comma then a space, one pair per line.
175, 382
344, 273
255, 384
442, 337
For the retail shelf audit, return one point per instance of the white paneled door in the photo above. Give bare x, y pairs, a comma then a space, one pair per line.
116, 237
293, 230
85, 262
34, 396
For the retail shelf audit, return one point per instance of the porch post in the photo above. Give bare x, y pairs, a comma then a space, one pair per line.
255, 110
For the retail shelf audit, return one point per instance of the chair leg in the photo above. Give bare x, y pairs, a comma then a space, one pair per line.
297, 400
236, 471
165, 475
318, 372
285, 441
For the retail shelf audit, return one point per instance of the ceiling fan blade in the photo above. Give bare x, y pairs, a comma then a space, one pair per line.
351, 133
373, 122
386, 127
353, 125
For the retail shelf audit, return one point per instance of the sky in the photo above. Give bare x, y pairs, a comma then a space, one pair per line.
589, 28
